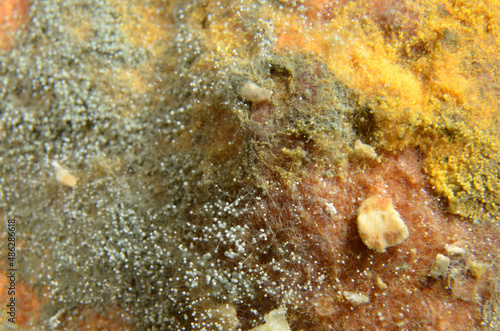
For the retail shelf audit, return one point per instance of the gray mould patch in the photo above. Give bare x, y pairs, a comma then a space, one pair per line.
150, 224
101, 241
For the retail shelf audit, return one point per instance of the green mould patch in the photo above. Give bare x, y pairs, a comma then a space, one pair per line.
364, 123
310, 113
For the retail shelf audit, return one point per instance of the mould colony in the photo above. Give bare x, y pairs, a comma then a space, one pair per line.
206, 181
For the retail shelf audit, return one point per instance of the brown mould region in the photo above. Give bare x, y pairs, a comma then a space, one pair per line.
320, 218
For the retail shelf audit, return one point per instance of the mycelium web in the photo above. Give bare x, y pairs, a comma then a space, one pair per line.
200, 165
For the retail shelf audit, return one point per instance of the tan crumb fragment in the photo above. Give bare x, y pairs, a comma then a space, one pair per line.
355, 299
440, 266
330, 209
380, 284
364, 151
379, 224
63, 175
252, 92
275, 321
455, 249
477, 269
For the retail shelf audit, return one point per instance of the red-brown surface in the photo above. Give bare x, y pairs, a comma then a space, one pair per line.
412, 297
13, 14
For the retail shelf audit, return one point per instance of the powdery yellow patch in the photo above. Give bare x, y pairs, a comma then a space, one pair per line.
375, 72
292, 35
428, 72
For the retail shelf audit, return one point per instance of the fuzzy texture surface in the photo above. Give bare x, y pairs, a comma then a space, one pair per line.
194, 165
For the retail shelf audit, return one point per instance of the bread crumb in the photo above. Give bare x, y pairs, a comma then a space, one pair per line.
379, 224
355, 299
252, 92
364, 151
63, 175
